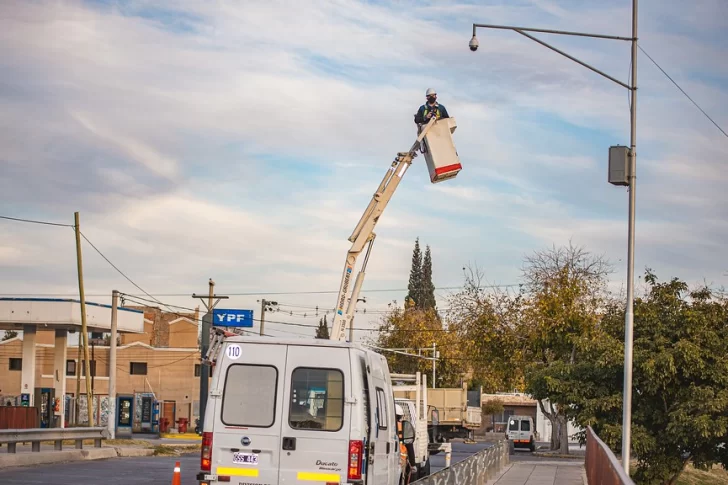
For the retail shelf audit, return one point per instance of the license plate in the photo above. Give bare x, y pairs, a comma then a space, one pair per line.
245, 458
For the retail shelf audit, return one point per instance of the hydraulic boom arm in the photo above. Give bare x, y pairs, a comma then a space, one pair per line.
363, 236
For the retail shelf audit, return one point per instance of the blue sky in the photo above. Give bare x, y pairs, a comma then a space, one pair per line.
242, 141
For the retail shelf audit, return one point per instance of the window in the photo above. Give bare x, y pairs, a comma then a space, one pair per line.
513, 425
70, 367
198, 370
317, 399
382, 409
91, 365
250, 395
138, 368
525, 425
16, 364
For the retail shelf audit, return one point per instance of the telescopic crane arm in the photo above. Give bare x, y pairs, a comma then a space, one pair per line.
363, 237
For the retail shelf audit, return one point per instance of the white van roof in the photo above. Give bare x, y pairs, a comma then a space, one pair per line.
308, 342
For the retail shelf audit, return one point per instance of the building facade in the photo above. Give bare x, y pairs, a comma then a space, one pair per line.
161, 364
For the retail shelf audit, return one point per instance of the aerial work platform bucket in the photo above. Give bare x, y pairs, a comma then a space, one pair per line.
441, 156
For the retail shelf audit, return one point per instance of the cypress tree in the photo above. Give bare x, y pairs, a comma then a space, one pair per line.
428, 287
415, 280
322, 331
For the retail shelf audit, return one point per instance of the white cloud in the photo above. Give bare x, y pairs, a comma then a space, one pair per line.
245, 144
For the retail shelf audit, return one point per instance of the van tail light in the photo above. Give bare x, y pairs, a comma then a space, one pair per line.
356, 452
206, 454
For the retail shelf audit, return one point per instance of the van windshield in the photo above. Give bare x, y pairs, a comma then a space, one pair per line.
317, 399
250, 395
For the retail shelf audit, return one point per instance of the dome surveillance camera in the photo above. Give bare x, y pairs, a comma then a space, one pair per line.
474, 44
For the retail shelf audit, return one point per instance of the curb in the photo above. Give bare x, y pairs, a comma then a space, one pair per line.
26, 459
185, 436
558, 455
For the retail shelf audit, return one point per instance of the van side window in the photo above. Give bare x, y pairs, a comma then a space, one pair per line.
250, 395
525, 425
317, 399
382, 409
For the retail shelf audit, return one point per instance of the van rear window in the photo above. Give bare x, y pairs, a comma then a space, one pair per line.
513, 425
525, 425
250, 395
317, 399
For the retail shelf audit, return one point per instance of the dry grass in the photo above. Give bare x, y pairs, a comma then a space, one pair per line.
691, 476
175, 450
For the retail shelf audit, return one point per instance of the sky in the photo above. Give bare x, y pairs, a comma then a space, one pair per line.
241, 141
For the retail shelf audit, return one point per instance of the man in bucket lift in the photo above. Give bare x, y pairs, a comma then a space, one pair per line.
428, 110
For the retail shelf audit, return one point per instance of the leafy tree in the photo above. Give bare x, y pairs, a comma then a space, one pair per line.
490, 408
322, 331
415, 280
680, 380
427, 286
9, 334
416, 329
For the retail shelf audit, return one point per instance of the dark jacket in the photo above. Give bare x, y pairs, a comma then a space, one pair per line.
421, 116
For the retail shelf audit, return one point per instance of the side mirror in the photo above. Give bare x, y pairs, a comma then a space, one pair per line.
408, 433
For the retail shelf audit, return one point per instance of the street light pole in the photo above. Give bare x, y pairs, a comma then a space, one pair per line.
629, 312
631, 182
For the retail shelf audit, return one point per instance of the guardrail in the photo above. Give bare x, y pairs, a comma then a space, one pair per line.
602, 467
475, 470
35, 436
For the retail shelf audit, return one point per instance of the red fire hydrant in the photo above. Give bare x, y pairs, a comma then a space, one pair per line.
182, 425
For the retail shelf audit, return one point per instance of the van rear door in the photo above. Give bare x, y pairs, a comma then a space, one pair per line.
316, 418
246, 438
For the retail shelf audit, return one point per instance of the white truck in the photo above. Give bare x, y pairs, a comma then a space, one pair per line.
303, 411
415, 411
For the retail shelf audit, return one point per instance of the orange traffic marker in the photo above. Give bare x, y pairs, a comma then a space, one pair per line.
176, 477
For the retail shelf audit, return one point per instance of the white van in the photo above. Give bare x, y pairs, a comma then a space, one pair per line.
521, 432
300, 411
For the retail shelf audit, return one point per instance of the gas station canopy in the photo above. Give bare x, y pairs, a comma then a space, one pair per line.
51, 313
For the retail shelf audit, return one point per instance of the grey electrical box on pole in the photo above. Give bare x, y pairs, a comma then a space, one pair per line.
619, 165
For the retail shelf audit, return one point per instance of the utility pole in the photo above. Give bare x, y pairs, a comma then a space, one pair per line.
112, 364
77, 407
205, 345
263, 306
434, 364
84, 329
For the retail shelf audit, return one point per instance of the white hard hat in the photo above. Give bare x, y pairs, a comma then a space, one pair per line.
398, 410
431, 92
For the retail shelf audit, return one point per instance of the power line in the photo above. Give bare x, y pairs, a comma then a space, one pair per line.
683, 91
30, 221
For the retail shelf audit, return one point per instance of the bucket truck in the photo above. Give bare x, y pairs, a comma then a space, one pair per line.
443, 164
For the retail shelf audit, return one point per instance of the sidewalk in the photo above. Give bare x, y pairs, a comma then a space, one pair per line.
541, 473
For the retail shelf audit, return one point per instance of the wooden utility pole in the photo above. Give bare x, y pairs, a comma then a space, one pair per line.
84, 329
112, 364
205, 345
263, 305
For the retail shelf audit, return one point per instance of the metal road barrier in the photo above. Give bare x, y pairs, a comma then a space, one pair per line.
602, 467
35, 436
475, 470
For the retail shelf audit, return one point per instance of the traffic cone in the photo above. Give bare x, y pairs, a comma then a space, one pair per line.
176, 477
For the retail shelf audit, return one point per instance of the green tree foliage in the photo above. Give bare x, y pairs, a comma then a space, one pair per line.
9, 334
512, 337
322, 331
680, 380
427, 286
415, 280
416, 329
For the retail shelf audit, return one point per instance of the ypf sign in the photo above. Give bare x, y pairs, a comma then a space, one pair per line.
232, 318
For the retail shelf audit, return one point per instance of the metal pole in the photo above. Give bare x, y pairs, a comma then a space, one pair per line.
434, 364
84, 329
111, 424
629, 312
204, 346
263, 303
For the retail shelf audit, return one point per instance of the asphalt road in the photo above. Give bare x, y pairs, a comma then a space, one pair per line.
154, 470
115, 471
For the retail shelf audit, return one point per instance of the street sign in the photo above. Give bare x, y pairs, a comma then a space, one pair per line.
232, 318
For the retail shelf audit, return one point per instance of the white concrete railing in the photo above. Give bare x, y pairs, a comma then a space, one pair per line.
35, 436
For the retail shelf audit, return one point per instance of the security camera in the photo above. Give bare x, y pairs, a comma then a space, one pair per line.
474, 44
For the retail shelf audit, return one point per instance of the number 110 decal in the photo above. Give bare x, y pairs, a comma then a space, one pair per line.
233, 351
